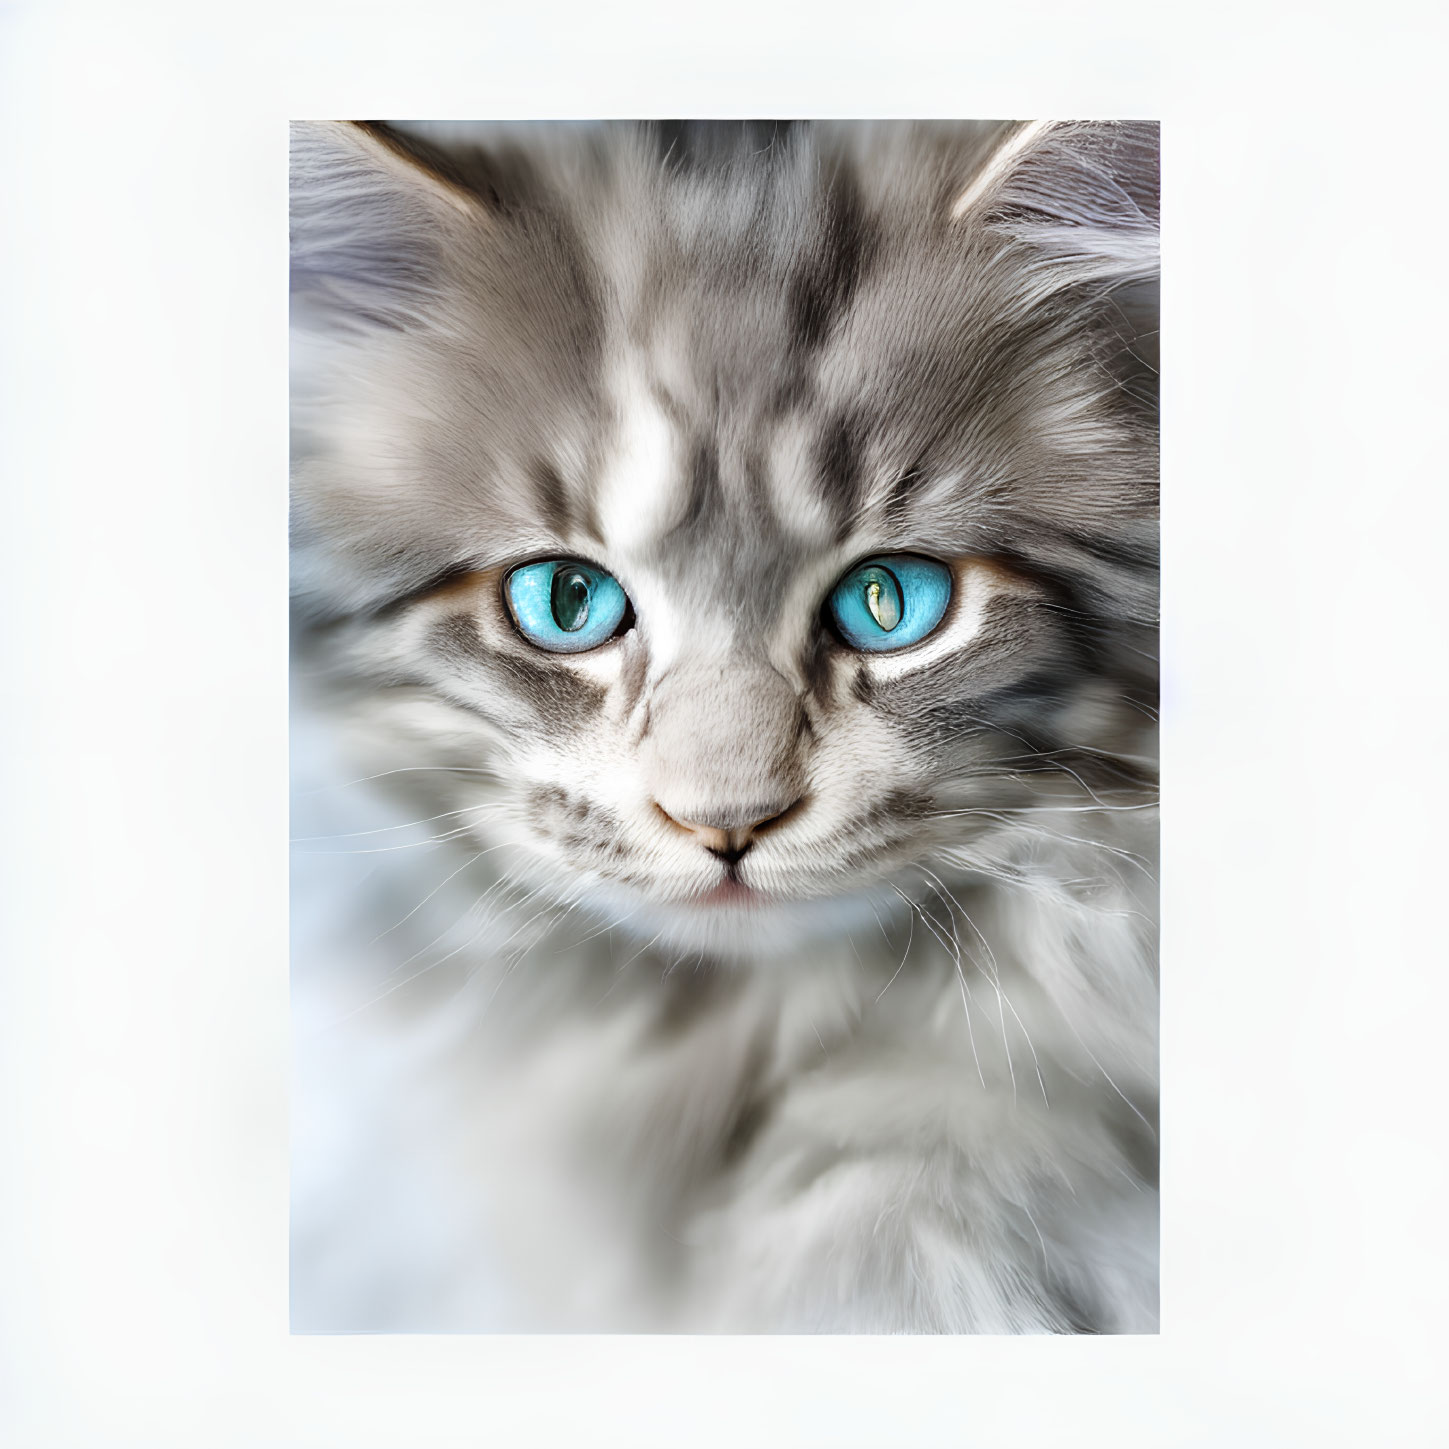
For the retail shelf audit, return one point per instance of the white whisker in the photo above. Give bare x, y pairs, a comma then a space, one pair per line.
961, 975
472, 860
384, 829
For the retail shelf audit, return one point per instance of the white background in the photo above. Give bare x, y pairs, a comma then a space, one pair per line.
143, 1002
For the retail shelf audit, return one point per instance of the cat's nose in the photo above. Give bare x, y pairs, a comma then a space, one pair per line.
728, 834
724, 750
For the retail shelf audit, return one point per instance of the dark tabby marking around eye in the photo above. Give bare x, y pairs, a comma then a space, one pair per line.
453, 577
815, 666
456, 639
560, 697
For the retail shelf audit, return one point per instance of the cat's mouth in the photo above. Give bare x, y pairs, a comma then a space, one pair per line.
731, 891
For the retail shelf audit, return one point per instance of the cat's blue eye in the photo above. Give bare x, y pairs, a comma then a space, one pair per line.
564, 605
889, 603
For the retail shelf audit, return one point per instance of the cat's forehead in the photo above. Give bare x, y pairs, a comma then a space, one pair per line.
712, 509
746, 410
716, 369
736, 391
699, 465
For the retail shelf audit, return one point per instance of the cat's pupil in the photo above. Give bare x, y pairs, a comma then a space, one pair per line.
570, 599
883, 598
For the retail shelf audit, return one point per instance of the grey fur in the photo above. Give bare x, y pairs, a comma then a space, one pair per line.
725, 363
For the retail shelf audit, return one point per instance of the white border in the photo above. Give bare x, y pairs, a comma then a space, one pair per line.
143, 1000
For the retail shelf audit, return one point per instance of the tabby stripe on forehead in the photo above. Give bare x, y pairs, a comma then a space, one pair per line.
552, 497
898, 500
841, 476
697, 144
706, 497
561, 508
824, 286
757, 490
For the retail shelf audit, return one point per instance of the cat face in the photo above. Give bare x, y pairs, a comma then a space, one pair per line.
764, 527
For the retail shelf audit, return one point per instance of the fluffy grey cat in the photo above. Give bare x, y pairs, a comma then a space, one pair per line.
725, 594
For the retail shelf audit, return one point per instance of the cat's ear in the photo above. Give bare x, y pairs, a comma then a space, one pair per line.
1080, 191
1084, 197
372, 216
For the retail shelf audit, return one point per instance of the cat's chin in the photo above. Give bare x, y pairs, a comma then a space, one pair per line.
734, 922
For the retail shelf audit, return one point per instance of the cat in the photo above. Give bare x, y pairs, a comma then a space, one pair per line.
725, 554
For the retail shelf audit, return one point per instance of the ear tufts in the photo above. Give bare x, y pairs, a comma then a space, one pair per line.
369, 217
1082, 194
994, 174
1076, 173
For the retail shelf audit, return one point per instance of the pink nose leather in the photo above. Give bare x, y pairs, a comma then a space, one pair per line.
719, 834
